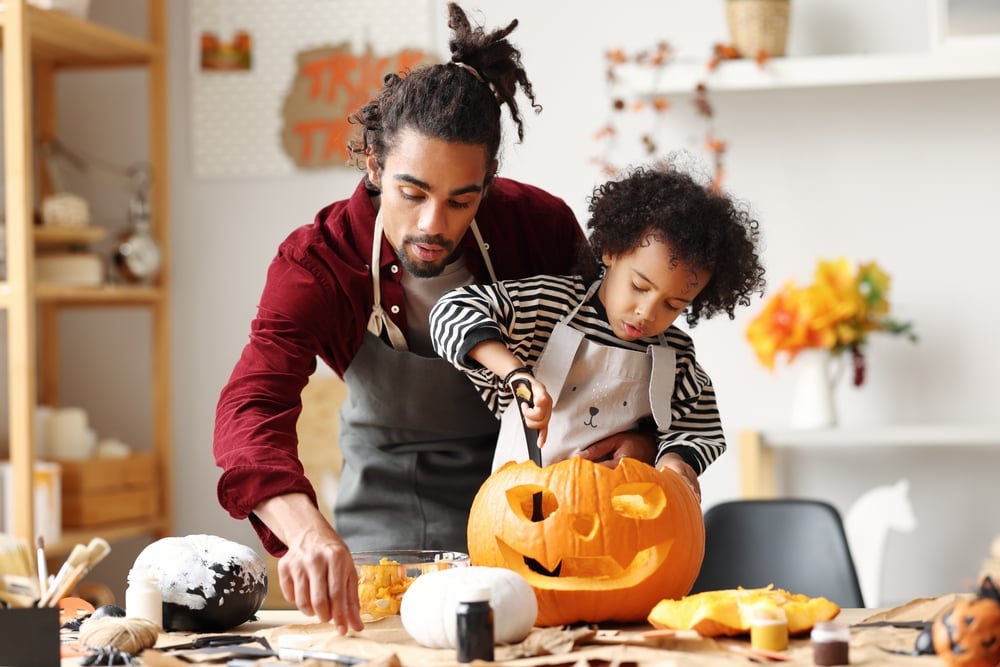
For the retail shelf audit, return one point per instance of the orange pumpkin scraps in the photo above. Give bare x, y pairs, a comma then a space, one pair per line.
729, 612
381, 588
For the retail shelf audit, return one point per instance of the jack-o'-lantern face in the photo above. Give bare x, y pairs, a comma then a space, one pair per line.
968, 635
605, 543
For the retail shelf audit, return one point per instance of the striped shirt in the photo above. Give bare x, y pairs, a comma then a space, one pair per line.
523, 313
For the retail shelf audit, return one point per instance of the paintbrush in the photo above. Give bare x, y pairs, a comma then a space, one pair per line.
18, 591
93, 553
15, 557
43, 568
77, 556
97, 550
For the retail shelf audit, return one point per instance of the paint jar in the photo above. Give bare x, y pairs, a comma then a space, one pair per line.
474, 618
769, 629
830, 643
143, 598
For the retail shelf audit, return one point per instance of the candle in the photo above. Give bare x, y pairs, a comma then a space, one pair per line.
68, 435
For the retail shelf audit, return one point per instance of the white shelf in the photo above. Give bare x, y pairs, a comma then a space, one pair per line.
908, 435
758, 469
953, 64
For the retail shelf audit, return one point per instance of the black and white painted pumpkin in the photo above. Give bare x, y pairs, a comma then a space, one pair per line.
208, 583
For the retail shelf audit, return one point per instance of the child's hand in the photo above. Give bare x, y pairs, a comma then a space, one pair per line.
537, 416
679, 466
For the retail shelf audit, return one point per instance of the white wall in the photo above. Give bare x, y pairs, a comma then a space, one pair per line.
905, 174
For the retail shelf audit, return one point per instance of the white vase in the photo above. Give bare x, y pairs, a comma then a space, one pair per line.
812, 404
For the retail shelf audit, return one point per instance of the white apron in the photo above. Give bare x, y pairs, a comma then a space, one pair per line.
597, 391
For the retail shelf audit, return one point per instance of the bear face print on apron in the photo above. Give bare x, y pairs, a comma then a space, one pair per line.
597, 391
417, 441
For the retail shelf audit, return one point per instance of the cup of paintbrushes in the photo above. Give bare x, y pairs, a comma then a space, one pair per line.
81, 561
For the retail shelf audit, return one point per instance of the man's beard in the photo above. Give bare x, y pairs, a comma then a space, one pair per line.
422, 269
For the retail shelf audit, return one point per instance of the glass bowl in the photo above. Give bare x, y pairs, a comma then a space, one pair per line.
383, 576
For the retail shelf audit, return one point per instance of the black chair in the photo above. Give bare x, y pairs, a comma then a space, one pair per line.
798, 545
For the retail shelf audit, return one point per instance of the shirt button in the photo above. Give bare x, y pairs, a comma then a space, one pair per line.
394, 310
394, 268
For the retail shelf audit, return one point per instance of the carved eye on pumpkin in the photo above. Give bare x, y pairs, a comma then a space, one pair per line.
521, 499
639, 500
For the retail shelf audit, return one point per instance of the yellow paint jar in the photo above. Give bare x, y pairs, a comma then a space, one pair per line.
769, 630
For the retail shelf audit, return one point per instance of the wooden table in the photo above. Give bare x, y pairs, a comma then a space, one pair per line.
623, 645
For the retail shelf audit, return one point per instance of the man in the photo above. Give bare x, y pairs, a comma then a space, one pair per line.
355, 289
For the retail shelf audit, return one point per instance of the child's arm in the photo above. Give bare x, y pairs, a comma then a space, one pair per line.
495, 356
694, 438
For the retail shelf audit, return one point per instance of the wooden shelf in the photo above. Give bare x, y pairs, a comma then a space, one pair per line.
52, 236
36, 44
114, 532
954, 64
63, 40
103, 295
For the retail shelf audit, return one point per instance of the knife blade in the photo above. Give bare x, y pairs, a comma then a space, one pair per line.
523, 396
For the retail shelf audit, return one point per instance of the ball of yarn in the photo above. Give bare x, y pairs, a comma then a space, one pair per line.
131, 635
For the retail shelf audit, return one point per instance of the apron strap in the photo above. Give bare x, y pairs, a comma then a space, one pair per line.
378, 320
559, 358
661, 382
484, 249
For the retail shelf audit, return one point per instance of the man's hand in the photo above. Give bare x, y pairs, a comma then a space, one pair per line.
631, 444
317, 574
674, 462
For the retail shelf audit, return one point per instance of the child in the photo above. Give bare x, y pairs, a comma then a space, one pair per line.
613, 363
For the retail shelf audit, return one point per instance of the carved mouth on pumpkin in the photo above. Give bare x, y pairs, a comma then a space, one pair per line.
586, 572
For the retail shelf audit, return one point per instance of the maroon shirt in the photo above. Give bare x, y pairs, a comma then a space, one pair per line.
316, 303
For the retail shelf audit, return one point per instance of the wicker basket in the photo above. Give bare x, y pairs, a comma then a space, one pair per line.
758, 26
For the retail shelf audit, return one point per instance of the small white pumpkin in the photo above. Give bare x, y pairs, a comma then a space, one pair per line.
430, 603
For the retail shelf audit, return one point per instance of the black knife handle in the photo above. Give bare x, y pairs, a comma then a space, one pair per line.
523, 396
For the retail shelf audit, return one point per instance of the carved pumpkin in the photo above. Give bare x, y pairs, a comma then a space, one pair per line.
729, 612
968, 634
609, 542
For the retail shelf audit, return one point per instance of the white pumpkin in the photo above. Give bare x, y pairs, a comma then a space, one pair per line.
429, 606
208, 583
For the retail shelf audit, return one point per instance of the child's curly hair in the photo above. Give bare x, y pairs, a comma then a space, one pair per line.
703, 228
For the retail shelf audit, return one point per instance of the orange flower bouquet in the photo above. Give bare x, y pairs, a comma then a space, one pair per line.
836, 312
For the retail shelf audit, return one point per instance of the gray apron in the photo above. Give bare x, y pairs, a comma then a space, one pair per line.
597, 391
417, 441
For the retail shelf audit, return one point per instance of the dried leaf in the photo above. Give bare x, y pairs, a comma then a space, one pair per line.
547, 641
